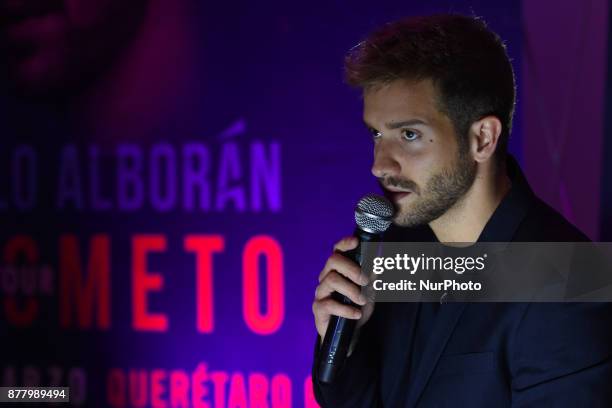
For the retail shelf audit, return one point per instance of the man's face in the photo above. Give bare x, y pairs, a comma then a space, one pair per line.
417, 156
49, 45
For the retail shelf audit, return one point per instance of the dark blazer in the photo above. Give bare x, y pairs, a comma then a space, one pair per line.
484, 354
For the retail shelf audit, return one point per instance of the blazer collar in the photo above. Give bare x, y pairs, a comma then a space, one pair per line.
513, 208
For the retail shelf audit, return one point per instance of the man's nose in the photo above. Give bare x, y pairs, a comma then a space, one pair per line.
385, 164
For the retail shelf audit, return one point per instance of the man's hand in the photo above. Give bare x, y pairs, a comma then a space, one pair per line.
342, 275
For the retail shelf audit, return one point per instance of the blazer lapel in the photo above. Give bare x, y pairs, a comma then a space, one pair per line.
445, 323
399, 343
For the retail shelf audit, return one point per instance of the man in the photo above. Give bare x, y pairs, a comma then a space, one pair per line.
439, 96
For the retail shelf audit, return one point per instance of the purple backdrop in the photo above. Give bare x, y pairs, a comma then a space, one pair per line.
230, 125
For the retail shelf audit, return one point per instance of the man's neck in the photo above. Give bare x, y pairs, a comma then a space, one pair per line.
465, 221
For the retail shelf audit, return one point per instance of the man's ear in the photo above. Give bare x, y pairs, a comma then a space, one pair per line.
484, 136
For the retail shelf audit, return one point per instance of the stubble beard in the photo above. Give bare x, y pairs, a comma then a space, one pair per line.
441, 192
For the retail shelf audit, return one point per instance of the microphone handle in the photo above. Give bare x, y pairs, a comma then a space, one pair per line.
340, 330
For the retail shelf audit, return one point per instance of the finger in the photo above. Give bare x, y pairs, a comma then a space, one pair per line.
328, 307
346, 244
334, 282
344, 266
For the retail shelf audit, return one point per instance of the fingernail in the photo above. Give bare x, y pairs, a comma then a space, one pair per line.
364, 280
362, 299
357, 315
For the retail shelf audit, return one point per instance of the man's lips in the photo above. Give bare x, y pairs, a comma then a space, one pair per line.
26, 35
396, 195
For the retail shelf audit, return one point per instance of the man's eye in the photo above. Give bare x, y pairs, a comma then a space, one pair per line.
409, 135
375, 133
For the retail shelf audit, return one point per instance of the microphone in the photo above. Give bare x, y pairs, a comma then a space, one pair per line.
373, 216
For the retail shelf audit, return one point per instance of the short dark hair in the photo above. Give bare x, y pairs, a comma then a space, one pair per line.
466, 62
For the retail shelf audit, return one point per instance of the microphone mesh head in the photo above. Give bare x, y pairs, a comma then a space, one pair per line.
374, 214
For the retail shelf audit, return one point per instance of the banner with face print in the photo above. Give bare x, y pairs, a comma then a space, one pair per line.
173, 175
